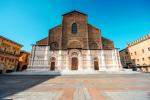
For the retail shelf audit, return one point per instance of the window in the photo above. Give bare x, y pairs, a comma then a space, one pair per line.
14, 52
137, 59
135, 52
54, 45
149, 49
143, 59
133, 60
5, 49
149, 58
138, 64
74, 28
143, 50
126, 52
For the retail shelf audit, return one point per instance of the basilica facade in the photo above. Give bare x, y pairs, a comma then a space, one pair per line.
74, 46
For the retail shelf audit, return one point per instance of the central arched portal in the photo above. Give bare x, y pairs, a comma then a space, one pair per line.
74, 63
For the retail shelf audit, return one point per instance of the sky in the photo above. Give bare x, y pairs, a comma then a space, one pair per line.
27, 21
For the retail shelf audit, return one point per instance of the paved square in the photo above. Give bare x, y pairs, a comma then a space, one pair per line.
76, 87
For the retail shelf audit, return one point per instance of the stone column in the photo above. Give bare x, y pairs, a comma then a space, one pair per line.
46, 58
113, 55
80, 64
67, 62
33, 55
59, 67
118, 59
89, 61
103, 66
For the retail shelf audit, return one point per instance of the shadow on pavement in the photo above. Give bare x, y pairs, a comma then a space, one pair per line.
13, 84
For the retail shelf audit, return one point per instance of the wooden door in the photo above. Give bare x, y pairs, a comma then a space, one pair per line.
52, 66
74, 65
96, 67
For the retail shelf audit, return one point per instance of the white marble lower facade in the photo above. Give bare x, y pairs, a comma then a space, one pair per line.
42, 58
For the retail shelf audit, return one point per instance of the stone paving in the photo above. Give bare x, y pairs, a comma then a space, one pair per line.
76, 87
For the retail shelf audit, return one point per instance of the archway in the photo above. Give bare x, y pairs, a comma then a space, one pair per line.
74, 63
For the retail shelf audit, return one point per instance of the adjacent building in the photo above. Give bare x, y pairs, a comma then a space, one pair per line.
23, 60
125, 59
139, 53
9, 54
74, 45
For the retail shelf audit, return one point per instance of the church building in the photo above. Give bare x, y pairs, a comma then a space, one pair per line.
74, 46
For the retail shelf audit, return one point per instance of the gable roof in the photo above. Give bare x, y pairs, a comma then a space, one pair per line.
103, 38
74, 11
43, 41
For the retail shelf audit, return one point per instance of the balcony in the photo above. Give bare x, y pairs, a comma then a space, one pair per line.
8, 52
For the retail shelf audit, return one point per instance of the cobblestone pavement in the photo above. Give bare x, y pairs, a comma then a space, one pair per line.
76, 87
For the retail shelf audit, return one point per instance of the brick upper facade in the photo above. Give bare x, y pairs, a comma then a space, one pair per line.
76, 32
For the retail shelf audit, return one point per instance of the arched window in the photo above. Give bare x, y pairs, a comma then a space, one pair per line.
74, 28
93, 46
54, 46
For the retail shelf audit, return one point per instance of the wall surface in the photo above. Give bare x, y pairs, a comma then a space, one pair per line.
140, 53
42, 57
9, 54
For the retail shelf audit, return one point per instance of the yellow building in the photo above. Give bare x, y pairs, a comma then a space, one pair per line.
139, 52
9, 54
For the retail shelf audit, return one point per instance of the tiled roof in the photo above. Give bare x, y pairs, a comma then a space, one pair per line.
11, 41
